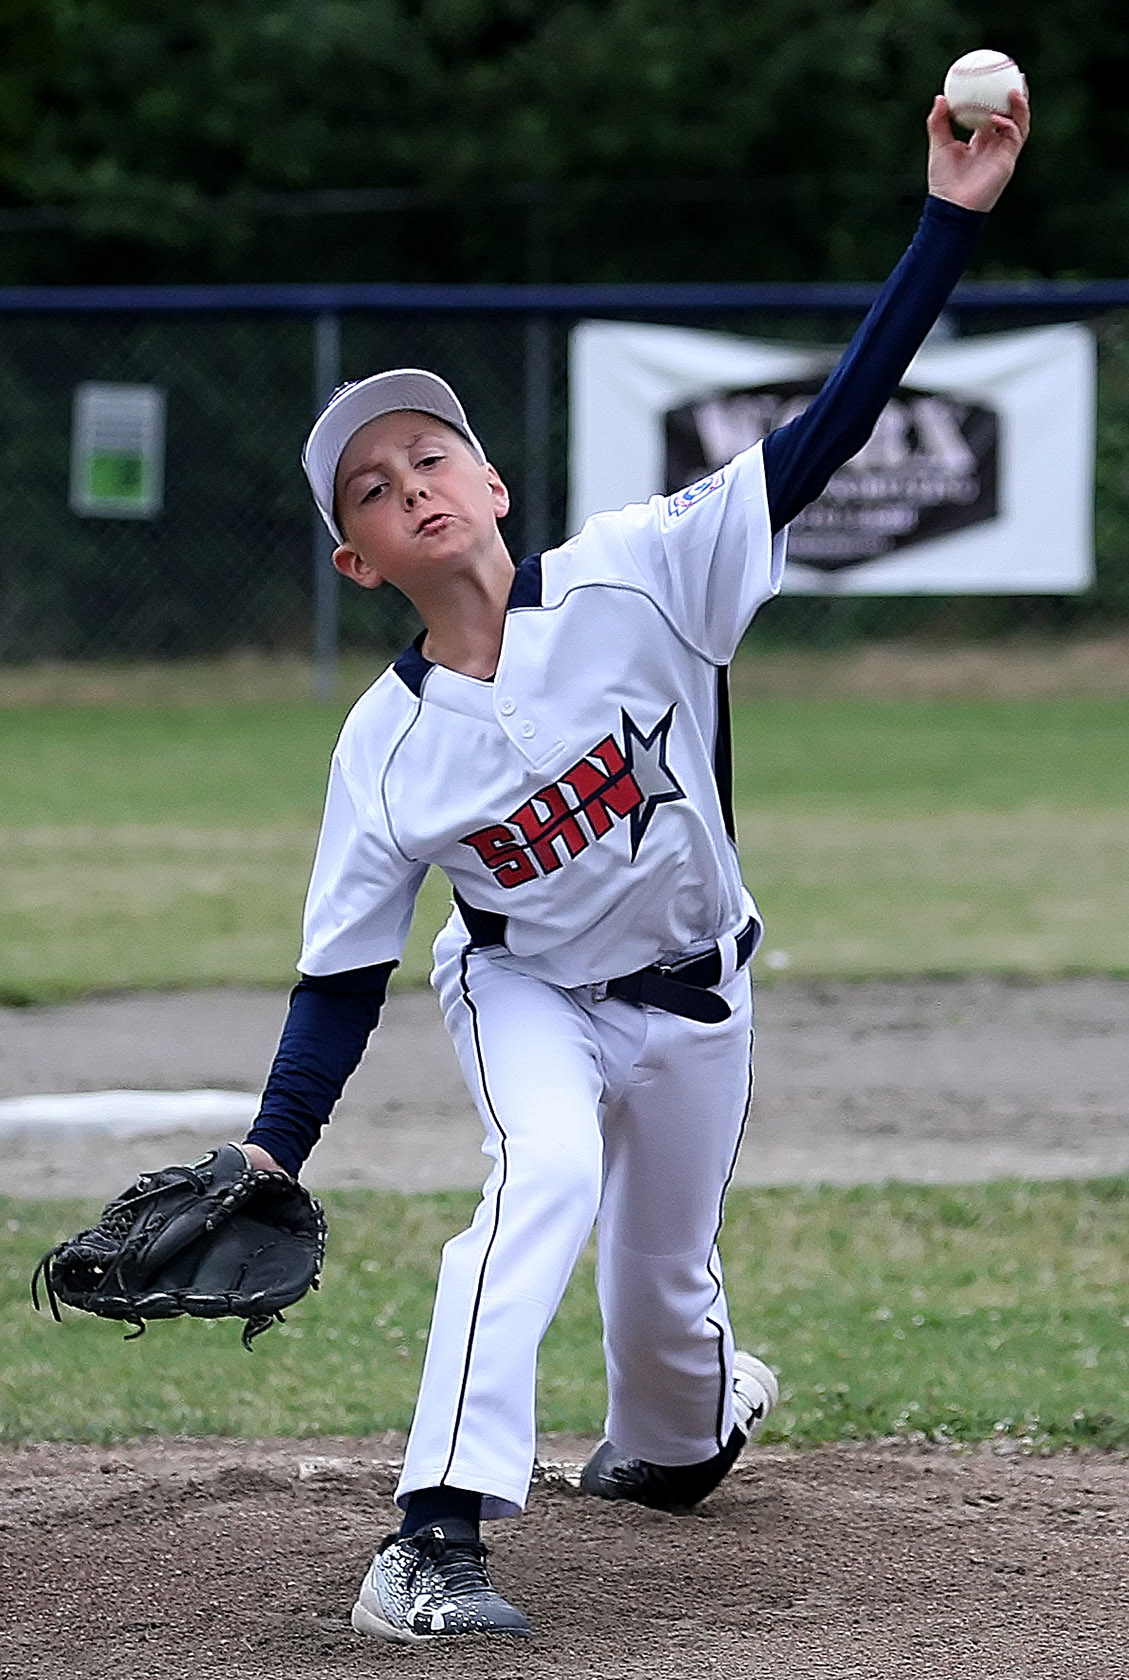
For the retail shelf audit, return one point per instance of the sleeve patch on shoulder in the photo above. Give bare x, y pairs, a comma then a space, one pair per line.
683, 500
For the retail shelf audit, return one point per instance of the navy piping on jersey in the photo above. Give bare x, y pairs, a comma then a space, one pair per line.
723, 753
412, 667
485, 1261
525, 591
486, 927
721, 1442
527, 584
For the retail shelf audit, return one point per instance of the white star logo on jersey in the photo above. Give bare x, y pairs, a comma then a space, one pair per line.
646, 760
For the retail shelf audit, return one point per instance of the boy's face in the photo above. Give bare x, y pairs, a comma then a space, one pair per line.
413, 501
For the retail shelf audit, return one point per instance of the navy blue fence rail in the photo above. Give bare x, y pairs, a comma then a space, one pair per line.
1063, 298
234, 558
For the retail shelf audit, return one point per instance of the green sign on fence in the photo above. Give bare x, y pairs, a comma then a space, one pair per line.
118, 451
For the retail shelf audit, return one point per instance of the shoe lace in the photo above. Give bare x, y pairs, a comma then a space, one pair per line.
462, 1563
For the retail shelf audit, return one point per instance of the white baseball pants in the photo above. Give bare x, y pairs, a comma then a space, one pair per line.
593, 1111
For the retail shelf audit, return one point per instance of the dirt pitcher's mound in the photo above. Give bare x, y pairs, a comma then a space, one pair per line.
195, 1560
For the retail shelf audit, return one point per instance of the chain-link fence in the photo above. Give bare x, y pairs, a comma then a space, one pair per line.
234, 559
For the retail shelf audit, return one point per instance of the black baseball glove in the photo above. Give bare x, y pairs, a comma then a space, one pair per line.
216, 1239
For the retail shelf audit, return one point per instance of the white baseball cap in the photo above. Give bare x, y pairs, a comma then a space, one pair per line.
353, 406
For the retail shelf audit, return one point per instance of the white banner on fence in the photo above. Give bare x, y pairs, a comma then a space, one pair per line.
978, 478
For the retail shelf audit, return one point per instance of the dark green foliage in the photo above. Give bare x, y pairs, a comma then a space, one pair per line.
572, 139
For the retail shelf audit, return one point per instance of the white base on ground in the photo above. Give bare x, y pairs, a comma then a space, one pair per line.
121, 1114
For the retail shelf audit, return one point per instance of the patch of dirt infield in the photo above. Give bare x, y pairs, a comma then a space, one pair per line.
212, 1559
175, 1558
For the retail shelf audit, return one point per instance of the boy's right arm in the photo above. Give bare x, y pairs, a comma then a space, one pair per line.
329, 1023
359, 904
966, 179
800, 457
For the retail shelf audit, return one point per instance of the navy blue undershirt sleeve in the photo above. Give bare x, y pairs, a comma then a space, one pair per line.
799, 458
328, 1025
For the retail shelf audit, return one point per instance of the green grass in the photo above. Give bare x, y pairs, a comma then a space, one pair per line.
168, 846
894, 756
955, 1313
942, 837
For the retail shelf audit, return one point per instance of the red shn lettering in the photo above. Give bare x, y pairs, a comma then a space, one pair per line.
616, 788
542, 832
500, 851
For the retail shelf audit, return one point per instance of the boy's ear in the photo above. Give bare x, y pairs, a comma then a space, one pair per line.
498, 492
353, 565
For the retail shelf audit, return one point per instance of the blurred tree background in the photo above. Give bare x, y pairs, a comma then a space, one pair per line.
514, 140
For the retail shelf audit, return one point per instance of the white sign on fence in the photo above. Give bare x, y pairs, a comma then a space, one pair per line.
977, 479
118, 451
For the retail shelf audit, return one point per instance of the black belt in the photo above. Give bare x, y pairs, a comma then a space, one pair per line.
683, 988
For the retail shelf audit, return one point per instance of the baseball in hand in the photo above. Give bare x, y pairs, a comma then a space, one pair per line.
979, 83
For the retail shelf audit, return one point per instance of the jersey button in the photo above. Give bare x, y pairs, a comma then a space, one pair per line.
507, 707
528, 729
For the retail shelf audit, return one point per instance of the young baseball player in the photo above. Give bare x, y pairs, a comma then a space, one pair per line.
557, 742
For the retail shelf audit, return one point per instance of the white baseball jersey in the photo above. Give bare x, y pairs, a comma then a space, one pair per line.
583, 794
